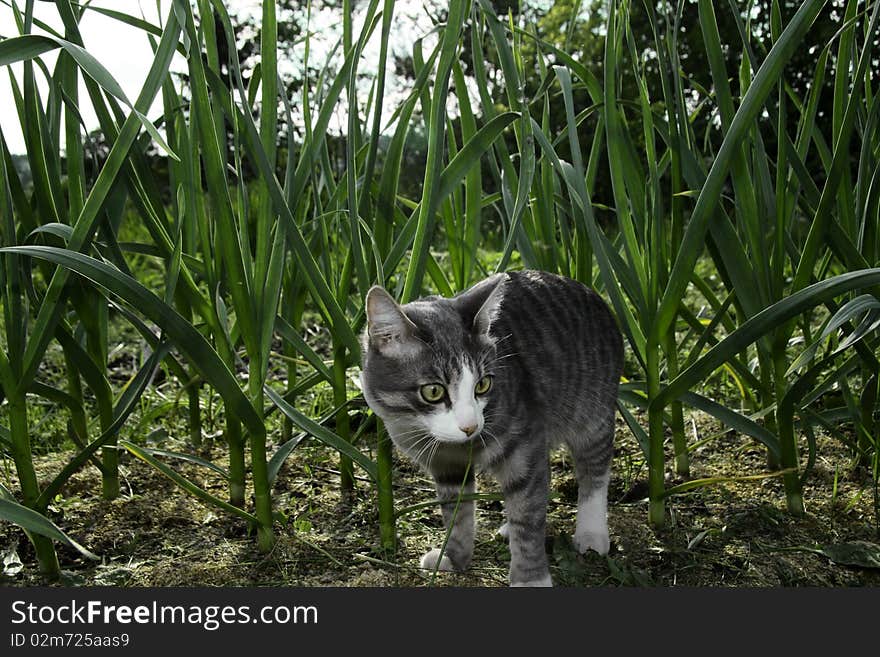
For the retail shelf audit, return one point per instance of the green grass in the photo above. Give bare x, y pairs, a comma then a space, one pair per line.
724, 254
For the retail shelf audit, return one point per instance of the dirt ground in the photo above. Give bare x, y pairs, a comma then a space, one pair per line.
732, 534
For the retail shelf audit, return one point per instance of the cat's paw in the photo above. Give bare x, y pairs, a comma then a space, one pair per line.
597, 541
430, 559
542, 582
504, 531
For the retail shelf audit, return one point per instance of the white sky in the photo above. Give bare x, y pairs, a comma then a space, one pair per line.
125, 50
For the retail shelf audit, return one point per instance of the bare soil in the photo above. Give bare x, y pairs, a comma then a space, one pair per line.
731, 534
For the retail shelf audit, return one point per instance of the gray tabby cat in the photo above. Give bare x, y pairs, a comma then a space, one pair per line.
496, 377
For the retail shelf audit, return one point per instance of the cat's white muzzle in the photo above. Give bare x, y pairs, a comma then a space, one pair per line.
460, 423
459, 436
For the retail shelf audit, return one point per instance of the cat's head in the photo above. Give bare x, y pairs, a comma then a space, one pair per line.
428, 365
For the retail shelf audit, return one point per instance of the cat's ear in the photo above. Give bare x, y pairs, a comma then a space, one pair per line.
482, 302
389, 330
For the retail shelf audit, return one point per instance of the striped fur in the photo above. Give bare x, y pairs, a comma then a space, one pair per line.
554, 354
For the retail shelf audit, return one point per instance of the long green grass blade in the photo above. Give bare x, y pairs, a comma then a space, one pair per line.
192, 343
184, 483
85, 224
436, 132
760, 324
31, 521
324, 435
753, 103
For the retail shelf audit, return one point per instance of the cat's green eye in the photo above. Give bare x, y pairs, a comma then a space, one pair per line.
432, 392
483, 385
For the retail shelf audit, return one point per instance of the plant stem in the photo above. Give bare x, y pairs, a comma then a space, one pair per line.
387, 529
340, 385
867, 402
195, 415
787, 444
340, 396
656, 464
78, 422
765, 368
27, 477
286, 423
260, 474
96, 343
110, 459
236, 460
292, 308
679, 442
232, 433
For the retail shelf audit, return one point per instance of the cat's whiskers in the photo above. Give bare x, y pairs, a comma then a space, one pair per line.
408, 433
417, 439
504, 357
429, 447
483, 440
415, 442
491, 416
492, 436
433, 452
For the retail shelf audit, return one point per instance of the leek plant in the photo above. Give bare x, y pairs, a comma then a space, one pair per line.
74, 216
646, 261
265, 228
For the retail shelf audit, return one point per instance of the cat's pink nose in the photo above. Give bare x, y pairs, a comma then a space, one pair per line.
469, 429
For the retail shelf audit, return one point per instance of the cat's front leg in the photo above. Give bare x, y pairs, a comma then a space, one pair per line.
459, 514
525, 482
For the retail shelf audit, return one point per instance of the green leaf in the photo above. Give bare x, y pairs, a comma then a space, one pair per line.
63, 231
192, 343
709, 481
292, 336
324, 435
753, 102
29, 46
185, 483
37, 523
638, 431
127, 402
287, 448
765, 321
281, 454
51, 307
433, 166
24, 48
865, 304
861, 554
189, 458
733, 419
470, 154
